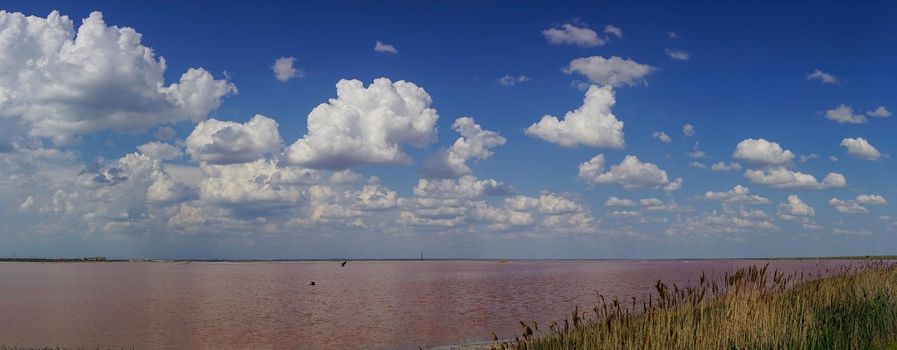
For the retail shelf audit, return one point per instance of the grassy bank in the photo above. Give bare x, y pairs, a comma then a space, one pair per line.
854, 307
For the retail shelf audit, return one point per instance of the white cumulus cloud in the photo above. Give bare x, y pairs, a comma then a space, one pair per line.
224, 142
123, 191
260, 181
662, 136
571, 34
674, 185
855, 206
630, 173
614, 71
794, 207
688, 130
27, 204
847, 207
871, 199
465, 187
737, 195
723, 166
844, 114
761, 151
783, 178
284, 70
592, 124
697, 153
62, 84
698, 165
613, 201
474, 143
366, 125
807, 157
860, 148
880, 112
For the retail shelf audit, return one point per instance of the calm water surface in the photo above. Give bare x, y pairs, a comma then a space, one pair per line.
364, 305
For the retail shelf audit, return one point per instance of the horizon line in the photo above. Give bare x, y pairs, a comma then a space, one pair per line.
104, 259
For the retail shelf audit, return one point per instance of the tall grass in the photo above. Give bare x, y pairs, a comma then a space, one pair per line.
853, 307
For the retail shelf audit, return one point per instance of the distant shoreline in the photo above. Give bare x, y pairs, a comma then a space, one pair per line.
103, 259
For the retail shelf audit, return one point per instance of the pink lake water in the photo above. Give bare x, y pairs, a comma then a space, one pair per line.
364, 305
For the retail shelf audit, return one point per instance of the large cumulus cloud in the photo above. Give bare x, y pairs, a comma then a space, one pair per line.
366, 125
593, 124
61, 83
223, 142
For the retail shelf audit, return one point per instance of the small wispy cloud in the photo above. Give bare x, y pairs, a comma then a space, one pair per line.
688, 130
613, 30
385, 48
511, 80
880, 112
571, 34
662, 136
677, 54
823, 77
844, 114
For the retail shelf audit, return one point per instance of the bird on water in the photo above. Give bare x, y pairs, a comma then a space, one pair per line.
312, 283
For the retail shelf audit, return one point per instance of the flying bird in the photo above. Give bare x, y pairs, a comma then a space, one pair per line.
343, 263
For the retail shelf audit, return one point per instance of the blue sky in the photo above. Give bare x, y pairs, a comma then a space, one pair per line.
785, 91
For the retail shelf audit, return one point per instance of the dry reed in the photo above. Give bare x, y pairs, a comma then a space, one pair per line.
852, 307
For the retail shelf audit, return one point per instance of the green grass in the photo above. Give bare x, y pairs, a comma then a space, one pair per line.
854, 307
